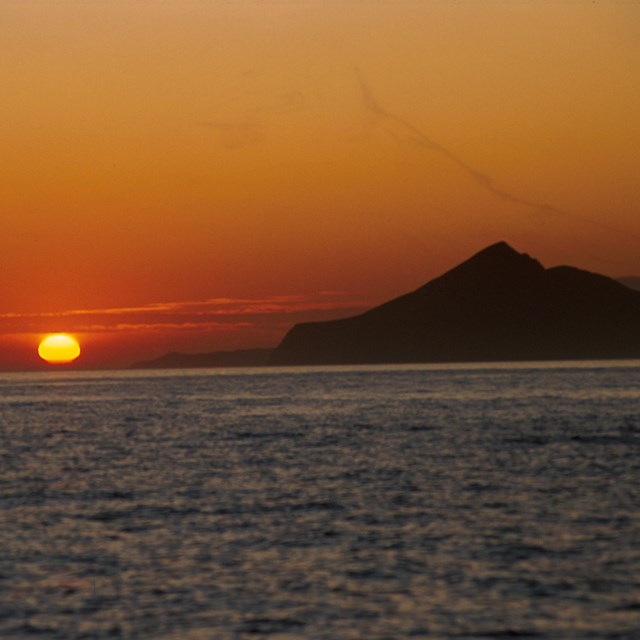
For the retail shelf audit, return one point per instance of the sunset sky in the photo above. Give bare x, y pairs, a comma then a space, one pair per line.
196, 175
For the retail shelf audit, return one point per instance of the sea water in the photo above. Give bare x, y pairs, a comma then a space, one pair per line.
484, 501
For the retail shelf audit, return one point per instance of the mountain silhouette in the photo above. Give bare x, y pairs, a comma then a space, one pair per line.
498, 305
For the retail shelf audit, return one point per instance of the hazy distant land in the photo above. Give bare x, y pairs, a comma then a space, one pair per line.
239, 358
633, 282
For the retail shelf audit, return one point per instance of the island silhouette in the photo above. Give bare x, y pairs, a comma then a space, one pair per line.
499, 305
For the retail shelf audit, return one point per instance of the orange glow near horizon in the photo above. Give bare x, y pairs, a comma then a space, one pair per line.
198, 151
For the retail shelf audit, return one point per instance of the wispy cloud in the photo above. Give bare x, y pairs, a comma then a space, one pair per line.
215, 314
404, 130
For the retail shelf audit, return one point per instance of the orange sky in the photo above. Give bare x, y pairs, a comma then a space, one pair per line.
198, 175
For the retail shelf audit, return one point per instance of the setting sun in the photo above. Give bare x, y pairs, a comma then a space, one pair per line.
59, 349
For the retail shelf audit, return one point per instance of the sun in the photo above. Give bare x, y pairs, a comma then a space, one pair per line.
59, 348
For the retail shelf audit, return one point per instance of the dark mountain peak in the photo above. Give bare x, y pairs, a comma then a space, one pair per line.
495, 266
498, 248
499, 256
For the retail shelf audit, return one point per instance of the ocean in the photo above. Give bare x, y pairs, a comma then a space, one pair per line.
391, 502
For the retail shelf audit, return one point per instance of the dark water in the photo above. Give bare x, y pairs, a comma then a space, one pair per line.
373, 503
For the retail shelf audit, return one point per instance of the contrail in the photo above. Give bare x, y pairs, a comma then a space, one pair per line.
418, 137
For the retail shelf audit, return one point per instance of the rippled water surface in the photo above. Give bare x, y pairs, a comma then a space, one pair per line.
384, 502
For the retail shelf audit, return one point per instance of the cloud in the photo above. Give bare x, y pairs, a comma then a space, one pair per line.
402, 129
212, 314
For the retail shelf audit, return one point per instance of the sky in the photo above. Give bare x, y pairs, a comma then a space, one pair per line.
199, 175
